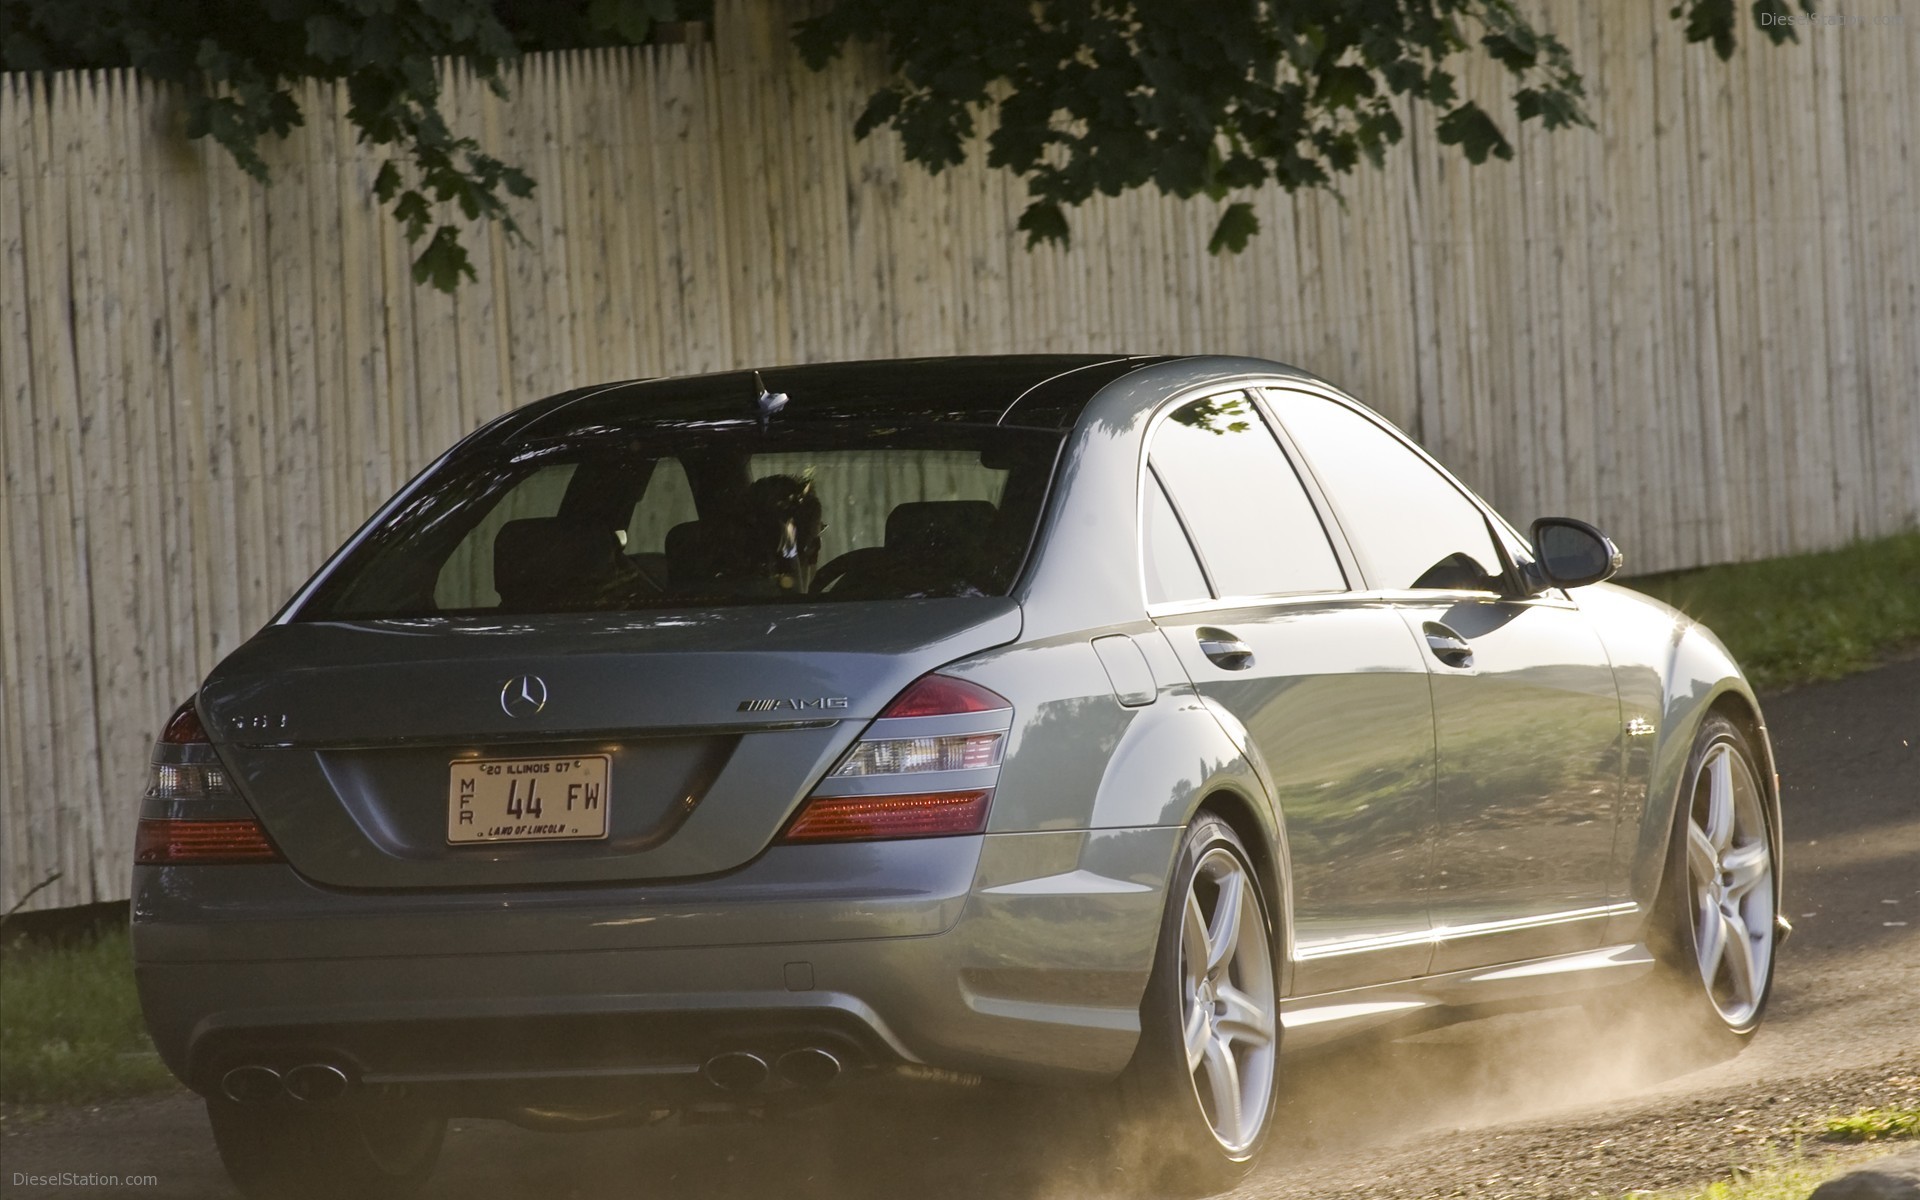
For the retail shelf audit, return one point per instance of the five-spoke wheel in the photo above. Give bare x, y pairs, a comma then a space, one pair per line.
1716, 927
1227, 998
1730, 877
1203, 1080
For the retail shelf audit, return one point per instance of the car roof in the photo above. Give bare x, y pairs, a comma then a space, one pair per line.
1046, 391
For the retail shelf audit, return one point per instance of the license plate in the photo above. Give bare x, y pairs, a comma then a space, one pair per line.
527, 799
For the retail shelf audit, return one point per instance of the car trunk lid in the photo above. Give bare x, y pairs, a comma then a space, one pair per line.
712, 726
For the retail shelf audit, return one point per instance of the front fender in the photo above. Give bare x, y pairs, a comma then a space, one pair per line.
1673, 672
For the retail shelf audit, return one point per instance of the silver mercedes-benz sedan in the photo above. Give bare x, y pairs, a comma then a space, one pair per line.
1095, 722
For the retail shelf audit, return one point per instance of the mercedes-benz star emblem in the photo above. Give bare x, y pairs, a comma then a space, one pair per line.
523, 695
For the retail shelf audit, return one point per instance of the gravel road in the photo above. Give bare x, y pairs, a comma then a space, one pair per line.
1538, 1105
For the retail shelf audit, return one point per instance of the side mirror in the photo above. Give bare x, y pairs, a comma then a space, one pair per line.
1573, 553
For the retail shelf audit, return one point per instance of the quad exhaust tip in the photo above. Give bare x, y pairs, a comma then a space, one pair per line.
308, 1083
736, 1071
742, 1070
251, 1084
315, 1083
809, 1067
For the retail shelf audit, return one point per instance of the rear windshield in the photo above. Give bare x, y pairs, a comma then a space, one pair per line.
693, 517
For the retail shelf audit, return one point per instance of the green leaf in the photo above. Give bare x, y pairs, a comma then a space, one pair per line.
1469, 127
882, 107
629, 20
444, 262
1708, 21
413, 214
1771, 16
386, 183
1345, 87
1045, 222
1516, 54
1235, 227
329, 39
1554, 107
518, 182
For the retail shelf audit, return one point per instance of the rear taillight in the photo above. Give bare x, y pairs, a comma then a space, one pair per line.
186, 775
926, 767
184, 766
164, 840
944, 696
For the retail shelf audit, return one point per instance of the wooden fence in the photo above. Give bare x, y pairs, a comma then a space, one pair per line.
1697, 325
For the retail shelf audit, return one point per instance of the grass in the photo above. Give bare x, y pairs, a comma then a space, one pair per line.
70, 1029
1812, 616
1794, 1176
1873, 1125
1785, 1179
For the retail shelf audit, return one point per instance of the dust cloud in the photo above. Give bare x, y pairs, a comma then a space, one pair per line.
932, 1142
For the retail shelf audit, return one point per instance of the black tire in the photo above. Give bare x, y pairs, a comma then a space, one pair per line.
341, 1152
1719, 1008
1160, 1095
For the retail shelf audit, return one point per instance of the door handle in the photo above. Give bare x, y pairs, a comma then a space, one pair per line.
1448, 646
1225, 650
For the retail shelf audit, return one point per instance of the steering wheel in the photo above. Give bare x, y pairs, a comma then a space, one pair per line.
836, 570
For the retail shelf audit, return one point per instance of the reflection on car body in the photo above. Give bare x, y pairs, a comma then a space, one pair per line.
1067, 720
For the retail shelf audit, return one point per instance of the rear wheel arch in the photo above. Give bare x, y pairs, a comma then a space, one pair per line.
1199, 1149
1265, 843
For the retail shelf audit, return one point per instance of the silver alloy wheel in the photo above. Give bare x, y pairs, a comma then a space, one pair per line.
1730, 877
1227, 1007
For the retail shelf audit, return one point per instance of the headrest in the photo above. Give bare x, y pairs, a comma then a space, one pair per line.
538, 553
939, 524
685, 538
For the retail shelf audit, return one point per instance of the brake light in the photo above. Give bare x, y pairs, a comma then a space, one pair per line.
191, 804
925, 767
166, 840
184, 727
941, 696
865, 818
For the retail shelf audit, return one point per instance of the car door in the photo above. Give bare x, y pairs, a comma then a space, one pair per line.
1526, 714
1245, 583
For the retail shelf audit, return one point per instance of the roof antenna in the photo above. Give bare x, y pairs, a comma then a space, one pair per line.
769, 402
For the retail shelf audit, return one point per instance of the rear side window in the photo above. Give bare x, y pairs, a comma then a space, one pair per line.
1256, 530
1411, 527
697, 517
1173, 573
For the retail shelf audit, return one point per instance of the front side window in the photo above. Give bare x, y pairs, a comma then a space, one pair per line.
1409, 525
1255, 528
658, 518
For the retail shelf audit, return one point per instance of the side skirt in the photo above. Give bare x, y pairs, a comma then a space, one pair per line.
1437, 999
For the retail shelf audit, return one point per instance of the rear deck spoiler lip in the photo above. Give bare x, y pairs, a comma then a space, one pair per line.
519, 737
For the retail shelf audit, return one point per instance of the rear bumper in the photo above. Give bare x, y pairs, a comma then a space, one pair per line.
1010, 955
